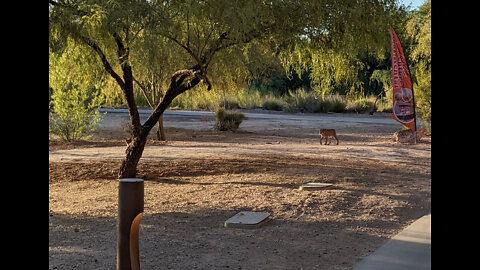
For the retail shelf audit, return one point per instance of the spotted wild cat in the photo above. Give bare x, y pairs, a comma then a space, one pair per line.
326, 133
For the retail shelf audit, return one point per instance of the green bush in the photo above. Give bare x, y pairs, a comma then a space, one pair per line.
73, 115
333, 103
228, 120
229, 105
247, 98
301, 100
196, 99
338, 106
359, 106
272, 105
384, 105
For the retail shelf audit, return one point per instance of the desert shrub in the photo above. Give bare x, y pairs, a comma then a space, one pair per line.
334, 103
226, 120
338, 106
324, 106
73, 114
247, 98
384, 104
301, 100
229, 104
197, 99
272, 105
360, 105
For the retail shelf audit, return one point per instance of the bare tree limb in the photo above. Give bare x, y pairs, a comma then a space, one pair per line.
103, 58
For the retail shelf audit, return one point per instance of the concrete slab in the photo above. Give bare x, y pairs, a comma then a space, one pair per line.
247, 220
408, 250
314, 186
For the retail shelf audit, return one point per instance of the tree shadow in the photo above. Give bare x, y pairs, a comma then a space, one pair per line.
194, 237
189, 240
81, 241
245, 183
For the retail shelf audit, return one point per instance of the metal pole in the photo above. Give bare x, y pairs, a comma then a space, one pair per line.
413, 100
130, 209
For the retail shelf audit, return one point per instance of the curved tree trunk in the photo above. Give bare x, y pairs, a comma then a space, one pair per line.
177, 86
161, 130
136, 144
133, 153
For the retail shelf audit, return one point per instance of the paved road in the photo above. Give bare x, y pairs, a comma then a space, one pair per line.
196, 115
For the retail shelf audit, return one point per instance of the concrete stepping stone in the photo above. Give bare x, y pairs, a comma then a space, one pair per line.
247, 220
315, 186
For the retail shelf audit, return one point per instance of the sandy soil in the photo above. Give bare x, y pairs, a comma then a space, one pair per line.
200, 177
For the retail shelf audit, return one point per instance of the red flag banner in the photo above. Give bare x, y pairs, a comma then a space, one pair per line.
403, 102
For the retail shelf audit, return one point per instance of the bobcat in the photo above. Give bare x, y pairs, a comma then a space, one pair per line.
408, 135
325, 133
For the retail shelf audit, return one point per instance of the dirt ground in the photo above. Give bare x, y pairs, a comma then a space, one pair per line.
200, 177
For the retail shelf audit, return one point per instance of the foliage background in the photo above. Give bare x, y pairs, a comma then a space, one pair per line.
307, 72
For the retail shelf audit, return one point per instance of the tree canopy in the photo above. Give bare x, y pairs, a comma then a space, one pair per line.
326, 38
175, 45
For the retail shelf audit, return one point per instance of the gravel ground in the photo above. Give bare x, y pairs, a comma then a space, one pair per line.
200, 177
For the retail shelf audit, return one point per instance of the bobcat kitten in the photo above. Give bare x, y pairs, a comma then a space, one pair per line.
325, 133
408, 135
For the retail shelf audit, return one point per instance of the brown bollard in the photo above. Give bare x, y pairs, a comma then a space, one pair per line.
130, 209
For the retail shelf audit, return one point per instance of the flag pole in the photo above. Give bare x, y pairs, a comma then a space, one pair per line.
413, 100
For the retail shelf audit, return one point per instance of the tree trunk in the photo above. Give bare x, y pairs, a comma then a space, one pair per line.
140, 132
136, 143
133, 153
160, 130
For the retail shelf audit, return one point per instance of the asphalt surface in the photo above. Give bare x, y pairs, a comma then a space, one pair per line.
385, 119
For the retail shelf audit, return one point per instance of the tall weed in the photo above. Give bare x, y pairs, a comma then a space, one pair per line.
301, 101
227, 120
334, 103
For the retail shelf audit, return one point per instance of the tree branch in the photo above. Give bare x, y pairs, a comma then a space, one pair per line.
199, 62
123, 53
104, 60
144, 91
208, 37
176, 87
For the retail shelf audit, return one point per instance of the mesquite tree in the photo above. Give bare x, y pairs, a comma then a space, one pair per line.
315, 35
152, 71
112, 30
